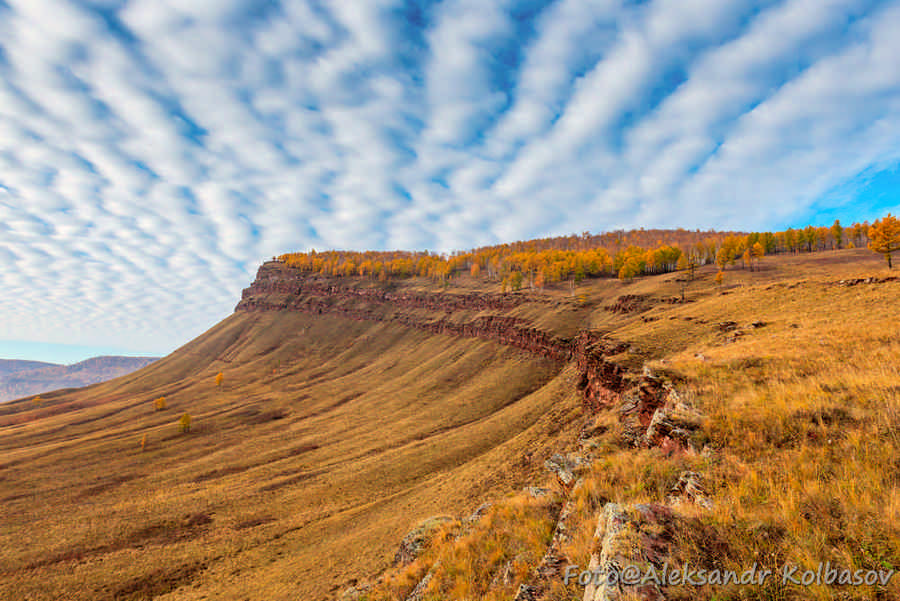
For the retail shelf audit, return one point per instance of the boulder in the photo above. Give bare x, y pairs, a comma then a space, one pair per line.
418, 539
629, 536
689, 488
566, 468
672, 424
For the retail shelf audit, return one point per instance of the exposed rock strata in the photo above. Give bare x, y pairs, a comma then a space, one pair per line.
275, 278
279, 288
655, 414
652, 414
629, 538
602, 381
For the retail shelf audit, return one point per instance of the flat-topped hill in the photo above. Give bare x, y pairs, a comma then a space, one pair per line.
351, 409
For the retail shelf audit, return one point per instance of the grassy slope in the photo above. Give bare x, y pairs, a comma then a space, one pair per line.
802, 432
803, 421
330, 438
327, 435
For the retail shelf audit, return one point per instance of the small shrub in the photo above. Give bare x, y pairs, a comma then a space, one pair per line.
160, 404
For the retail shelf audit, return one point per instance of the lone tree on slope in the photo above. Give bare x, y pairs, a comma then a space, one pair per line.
884, 237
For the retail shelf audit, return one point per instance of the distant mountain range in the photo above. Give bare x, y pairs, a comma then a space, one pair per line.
26, 378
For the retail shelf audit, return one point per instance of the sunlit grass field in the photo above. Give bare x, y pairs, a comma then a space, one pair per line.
801, 437
329, 439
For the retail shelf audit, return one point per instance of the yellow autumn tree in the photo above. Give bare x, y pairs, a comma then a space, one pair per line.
160, 404
758, 251
723, 257
219, 377
837, 233
185, 422
884, 237
630, 269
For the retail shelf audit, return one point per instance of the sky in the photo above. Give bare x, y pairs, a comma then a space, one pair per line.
154, 152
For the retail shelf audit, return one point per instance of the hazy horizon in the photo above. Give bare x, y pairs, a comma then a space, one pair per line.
65, 354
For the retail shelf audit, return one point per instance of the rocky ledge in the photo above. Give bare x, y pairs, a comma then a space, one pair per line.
604, 383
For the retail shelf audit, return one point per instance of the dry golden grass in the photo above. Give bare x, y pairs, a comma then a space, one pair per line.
487, 560
329, 439
362, 430
803, 429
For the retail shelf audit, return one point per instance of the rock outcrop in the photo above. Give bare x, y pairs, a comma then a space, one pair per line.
418, 592
689, 489
418, 539
629, 541
654, 414
602, 381
566, 468
275, 280
280, 288
552, 564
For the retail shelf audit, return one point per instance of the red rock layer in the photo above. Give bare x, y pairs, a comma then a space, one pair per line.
279, 288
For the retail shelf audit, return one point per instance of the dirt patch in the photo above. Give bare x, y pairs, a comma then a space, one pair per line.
254, 522
190, 526
157, 583
108, 484
253, 416
288, 482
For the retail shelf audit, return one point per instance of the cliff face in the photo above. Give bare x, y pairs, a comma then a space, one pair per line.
280, 288
651, 412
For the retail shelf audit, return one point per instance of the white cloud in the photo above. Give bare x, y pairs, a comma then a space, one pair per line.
148, 163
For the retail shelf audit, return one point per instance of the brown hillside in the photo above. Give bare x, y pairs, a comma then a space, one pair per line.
350, 410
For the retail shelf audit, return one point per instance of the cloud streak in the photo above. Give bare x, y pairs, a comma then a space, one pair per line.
152, 153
